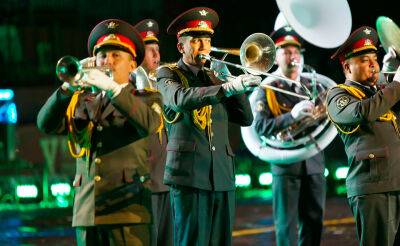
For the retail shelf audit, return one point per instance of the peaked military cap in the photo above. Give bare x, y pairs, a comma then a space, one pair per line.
148, 29
194, 21
286, 36
361, 41
117, 34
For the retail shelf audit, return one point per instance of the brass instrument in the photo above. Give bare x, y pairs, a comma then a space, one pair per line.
257, 56
69, 69
389, 35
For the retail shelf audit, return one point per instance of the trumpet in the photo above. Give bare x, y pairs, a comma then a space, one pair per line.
257, 56
69, 69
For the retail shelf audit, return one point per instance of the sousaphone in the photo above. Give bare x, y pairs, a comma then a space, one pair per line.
323, 24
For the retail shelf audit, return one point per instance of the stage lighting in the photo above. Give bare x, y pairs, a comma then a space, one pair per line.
265, 178
27, 191
243, 180
341, 172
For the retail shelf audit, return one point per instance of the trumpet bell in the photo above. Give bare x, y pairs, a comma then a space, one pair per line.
388, 33
258, 52
68, 69
325, 24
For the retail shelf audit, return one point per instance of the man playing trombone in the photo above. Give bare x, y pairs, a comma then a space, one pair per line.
298, 188
197, 107
105, 131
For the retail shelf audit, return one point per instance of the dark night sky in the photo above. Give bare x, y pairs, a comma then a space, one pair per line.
58, 28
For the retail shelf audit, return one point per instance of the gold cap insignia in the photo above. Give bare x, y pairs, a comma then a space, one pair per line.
289, 37
367, 42
149, 33
149, 24
111, 37
203, 24
112, 25
203, 12
367, 31
288, 28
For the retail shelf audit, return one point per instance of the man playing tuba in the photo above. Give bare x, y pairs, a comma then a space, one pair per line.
298, 188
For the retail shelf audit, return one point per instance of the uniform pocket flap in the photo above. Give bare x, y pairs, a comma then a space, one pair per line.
180, 145
77, 181
372, 154
229, 150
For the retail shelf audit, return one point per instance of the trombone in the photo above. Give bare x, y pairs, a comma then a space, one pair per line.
257, 56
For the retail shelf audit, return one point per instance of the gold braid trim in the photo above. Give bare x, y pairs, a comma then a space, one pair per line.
76, 137
202, 116
389, 116
274, 106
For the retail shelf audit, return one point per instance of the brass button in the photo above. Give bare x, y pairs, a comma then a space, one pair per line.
99, 144
210, 121
97, 160
99, 128
213, 148
97, 178
371, 156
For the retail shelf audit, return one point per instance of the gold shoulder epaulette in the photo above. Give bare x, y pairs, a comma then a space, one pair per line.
171, 66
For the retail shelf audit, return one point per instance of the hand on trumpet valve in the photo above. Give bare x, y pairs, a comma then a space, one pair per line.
241, 84
98, 79
220, 69
302, 109
390, 61
88, 62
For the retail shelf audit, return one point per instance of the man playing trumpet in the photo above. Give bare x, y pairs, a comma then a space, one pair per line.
105, 130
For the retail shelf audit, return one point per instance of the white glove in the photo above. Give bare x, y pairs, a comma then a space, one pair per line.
88, 61
390, 61
241, 84
220, 69
100, 80
68, 87
302, 109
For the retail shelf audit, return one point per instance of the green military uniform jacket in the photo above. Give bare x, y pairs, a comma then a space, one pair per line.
108, 187
373, 150
266, 124
156, 144
192, 160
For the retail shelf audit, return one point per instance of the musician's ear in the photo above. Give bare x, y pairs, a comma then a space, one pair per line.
346, 66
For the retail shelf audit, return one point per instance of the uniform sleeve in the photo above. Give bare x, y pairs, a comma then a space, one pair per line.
139, 114
265, 124
239, 110
346, 109
179, 98
51, 117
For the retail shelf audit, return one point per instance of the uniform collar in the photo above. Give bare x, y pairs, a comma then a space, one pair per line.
279, 72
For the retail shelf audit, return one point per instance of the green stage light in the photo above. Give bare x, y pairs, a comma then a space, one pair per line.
341, 189
265, 178
60, 189
326, 172
27, 191
242, 180
341, 172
